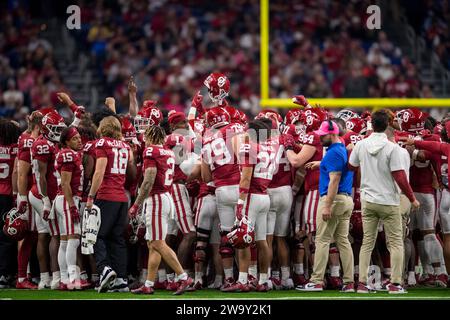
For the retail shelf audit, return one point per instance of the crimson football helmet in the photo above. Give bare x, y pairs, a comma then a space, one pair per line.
312, 118
235, 115
243, 117
293, 116
243, 235
217, 117
346, 114
16, 225
136, 230
218, 86
52, 126
129, 131
357, 125
149, 115
411, 120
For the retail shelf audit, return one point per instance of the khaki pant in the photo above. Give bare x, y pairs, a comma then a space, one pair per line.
405, 209
336, 228
392, 222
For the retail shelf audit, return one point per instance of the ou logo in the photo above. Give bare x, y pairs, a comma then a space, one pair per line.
350, 125
309, 120
405, 116
221, 81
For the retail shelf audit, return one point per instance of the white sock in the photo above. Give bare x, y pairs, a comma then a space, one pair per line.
387, 271
83, 275
263, 278
276, 274
56, 276
269, 271
356, 270
170, 277
45, 277
218, 280
199, 277
94, 277
253, 270
62, 261
411, 274
228, 273
437, 270
285, 273
21, 279
71, 258
429, 269
243, 277
298, 267
149, 283
182, 277
162, 275
335, 271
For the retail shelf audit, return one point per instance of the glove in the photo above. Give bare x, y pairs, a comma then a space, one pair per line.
239, 207
197, 102
288, 142
47, 208
74, 214
300, 100
22, 204
79, 112
133, 211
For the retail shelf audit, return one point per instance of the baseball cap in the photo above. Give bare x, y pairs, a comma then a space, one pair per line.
325, 128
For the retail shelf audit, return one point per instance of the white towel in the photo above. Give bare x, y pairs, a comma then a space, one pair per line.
91, 225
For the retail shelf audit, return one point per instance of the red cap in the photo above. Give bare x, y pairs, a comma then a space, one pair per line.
176, 117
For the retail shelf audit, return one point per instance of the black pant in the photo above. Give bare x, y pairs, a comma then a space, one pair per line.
8, 247
110, 248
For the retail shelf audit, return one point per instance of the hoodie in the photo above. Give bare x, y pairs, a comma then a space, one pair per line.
376, 142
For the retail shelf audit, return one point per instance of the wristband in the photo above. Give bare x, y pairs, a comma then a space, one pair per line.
22, 198
73, 107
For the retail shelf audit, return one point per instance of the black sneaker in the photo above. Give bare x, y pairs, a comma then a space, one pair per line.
107, 278
119, 285
4, 282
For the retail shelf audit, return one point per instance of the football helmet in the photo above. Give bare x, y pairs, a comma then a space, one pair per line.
136, 230
149, 115
312, 118
293, 116
218, 86
411, 120
16, 225
242, 235
243, 117
235, 115
357, 125
128, 131
346, 114
217, 117
52, 126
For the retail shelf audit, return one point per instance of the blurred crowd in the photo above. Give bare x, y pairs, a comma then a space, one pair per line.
318, 48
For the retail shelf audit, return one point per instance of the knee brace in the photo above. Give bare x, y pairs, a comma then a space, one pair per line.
298, 243
200, 253
333, 248
226, 250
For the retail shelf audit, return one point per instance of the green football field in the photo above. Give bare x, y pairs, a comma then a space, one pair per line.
413, 294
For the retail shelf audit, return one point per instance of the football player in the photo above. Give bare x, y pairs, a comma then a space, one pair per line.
114, 162
154, 195
220, 166
70, 173
9, 133
24, 184
41, 195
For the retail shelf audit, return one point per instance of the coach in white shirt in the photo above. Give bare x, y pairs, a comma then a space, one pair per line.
381, 168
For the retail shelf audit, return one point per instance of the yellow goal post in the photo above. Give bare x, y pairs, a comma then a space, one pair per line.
374, 103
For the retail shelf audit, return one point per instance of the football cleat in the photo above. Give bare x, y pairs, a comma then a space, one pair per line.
198, 285
276, 283
427, 280
63, 287
349, 287
287, 284
160, 285
263, 287
4, 284
183, 285
143, 290
412, 281
44, 285
119, 285
86, 284
334, 283
441, 280
362, 288
172, 286
299, 279
26, 284
228, 283
237, 287
310, 287
393, 289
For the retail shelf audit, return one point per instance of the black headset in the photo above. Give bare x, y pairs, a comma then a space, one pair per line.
330, 125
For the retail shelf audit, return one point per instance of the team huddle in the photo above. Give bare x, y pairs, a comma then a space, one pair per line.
149, 201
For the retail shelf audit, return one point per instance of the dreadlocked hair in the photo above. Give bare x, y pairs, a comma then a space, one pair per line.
35, 119
9, 132
110, 127
155, 135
